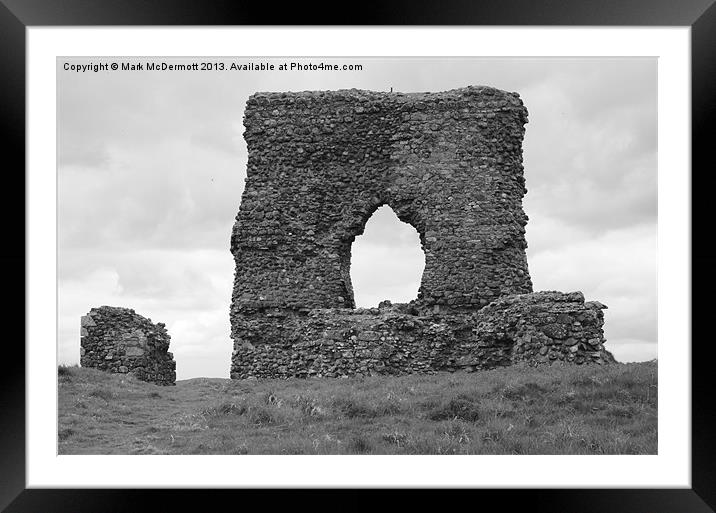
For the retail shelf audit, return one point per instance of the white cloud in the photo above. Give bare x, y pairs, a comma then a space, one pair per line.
590, 147
626, 350
386, 261
173, 195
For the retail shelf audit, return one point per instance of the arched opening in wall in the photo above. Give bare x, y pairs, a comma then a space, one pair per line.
387, 261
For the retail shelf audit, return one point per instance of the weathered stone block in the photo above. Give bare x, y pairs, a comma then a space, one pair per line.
134, 351
119, 340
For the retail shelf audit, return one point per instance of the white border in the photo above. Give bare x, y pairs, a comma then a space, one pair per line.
671, 468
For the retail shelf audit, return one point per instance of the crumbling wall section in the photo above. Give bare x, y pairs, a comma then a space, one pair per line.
538, 328
119, 340
450, 165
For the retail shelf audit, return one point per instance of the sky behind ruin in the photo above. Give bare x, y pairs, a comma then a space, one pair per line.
151, 167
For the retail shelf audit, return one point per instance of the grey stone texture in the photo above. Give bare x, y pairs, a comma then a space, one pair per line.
535, 328
320, 163
119, 340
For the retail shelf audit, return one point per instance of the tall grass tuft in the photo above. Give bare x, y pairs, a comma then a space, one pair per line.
65, 373
460, 407
102, 393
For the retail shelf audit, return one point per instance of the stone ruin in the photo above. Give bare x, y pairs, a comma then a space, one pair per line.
119, 340
450, 165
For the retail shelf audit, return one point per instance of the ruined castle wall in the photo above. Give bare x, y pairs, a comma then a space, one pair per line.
320, 164
538, 328
450, 165
119, 340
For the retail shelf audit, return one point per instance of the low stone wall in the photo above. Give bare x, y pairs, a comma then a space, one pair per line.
544, 327
537, 328
119, 340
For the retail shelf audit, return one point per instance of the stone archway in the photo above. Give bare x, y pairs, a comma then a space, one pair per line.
320, 163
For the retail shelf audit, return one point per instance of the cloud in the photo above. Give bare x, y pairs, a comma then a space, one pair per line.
627, 350
590, 147
174, 194
386, 261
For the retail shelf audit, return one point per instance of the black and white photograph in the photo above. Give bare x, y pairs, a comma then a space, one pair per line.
357, 256
458, 245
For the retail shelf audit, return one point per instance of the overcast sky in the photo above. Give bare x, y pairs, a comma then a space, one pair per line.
151, 167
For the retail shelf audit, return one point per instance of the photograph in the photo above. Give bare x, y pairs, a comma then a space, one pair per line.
402, 255
357, 255
451, 246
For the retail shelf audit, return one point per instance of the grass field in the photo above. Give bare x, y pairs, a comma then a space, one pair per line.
515, 410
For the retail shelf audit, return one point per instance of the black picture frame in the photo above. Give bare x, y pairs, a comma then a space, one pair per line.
17, 15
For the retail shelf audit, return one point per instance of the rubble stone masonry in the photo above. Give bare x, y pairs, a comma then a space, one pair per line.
119, 340
450, 165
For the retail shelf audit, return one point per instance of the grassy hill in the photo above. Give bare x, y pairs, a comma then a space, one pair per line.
515, 410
